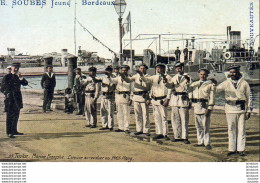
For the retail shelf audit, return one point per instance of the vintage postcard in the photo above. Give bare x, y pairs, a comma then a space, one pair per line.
129, 81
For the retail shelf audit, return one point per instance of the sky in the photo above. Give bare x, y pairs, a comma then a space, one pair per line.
35, 30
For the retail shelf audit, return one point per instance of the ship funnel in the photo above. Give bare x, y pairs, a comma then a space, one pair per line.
235, 39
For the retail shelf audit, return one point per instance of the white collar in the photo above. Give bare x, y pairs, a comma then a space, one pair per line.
50, 76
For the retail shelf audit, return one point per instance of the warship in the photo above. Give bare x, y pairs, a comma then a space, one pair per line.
217, 60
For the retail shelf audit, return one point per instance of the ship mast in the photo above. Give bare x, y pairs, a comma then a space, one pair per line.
75, 21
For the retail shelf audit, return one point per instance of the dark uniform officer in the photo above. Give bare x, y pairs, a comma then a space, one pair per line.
11, 87
177, 54
185, 52
79, 91
48, 83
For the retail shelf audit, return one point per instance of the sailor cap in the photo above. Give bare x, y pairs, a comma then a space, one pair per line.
93, 69
125, 66
179, 64
234, 67
49, 66
16, 64
161, 65
109, 68
204, 69
143, 65
77, 69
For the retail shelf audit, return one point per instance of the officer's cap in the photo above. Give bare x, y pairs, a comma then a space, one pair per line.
8, 67
116, 67
16, 64
143, 65
204, 69
161, 65
125, 66
109, 68
178, 64
234, 67
93, 69
77, 69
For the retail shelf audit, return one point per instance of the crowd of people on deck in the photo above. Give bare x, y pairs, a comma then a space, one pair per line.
118, 90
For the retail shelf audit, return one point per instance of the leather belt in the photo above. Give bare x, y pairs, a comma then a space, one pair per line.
158, 98
140, 92
236, 102
107, 93
195, 100
90, 91
180, 93
123, 93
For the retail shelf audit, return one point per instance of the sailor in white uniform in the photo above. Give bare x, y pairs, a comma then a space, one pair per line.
202, 93
237, 108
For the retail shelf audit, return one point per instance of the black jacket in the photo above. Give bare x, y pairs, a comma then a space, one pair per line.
11, 87
48, 82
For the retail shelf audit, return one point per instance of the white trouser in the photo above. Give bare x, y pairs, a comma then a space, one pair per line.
90, 111
202, 123
236, 131
180, 121
107, 113
142, 117
160, 118
123, 116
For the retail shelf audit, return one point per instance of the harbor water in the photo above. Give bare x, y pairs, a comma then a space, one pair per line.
62, 83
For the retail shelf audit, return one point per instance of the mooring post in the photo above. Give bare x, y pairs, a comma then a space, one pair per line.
72, 64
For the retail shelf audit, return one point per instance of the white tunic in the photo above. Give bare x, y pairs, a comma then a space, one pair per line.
158, 88
232, 94
205, 90
121, 86
181, 85
139, 85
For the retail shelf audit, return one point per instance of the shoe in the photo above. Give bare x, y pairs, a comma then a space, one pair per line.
186, 141
79, 113
87, 126
147, 134
83, 114
176, 140
18, 133
93, 126
138, 133
127, 132
49, 110
158, 137
166, 138
104, 128
118, 130
199, 145
241, 153
111, 129
44, 111
11, 136
208, 147
231, 153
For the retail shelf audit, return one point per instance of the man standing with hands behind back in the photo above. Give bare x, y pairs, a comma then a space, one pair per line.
48, 83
